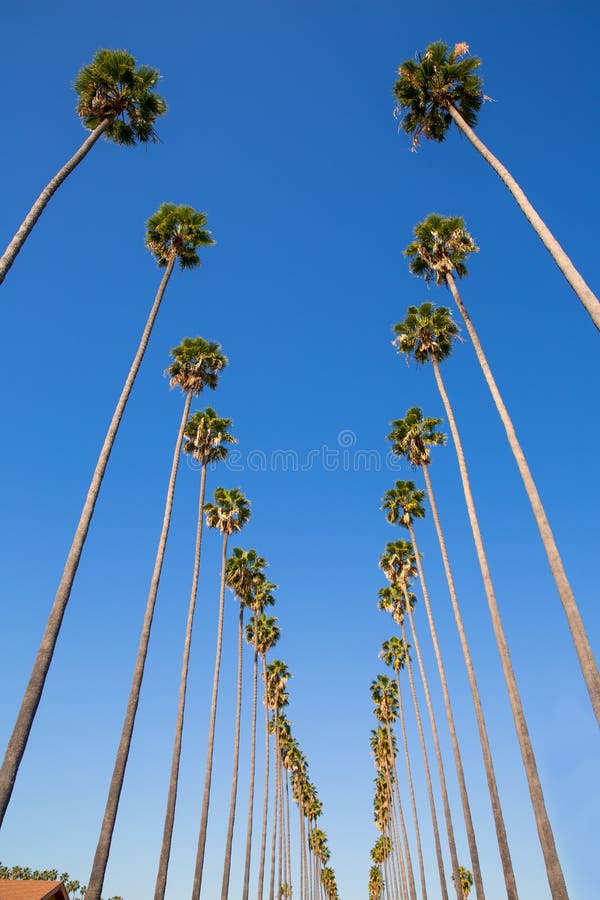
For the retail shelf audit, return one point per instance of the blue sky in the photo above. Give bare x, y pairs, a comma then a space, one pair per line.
280, 128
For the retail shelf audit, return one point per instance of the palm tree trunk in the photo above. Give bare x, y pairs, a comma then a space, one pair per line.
412, 792
301, 852
280, 864
509, 876
13, 249
275, 801
554, 872
402, 859
477, 879
583, 291
576, 626
248, 856
96, 878
411, 877
289, 828
163, 866
305, 851
197, 886
263, 840
434, 821
33, 692
236, 761
438, 754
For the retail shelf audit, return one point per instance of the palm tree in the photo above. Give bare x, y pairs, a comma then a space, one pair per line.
244, 575
196, 365
376, 885
384, 694
412, 437
403, 503
277, 675
181, 232
261, 869
441, 248
262, 632
207, 437
398, 564
228, 514
116, 100
395, 599
466, 881
394, 653
439, 87
428, 334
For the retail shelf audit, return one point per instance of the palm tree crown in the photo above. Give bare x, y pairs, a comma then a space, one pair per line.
428, 333
264, 630
176, 232
413, 436
206, 436
244, 573
394, 653
111, 87
433, 82
196, 365
230, 511
398, 562
403, 503
442, 245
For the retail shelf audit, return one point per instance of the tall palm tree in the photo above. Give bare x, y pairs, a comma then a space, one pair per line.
277, 676
174, 232
245, 576
441, 248
116, 100
262, 633
196, 365
393, 599
229, 513
412, 437
263, 843
394, 653
427, 334
404, 503
440, 86
398, 564
206, 441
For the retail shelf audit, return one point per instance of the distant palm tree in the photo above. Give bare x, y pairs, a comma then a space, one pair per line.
262, 632
244, 575
277, 676
428, 334
398, 564
196, 365
116, 100
207, 437
173, 233
263, 843
229, 513
412, 437
439, 86
441, 248
392, 599
395, 654
403, 504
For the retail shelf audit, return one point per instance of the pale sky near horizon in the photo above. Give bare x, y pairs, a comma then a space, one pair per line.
281, 128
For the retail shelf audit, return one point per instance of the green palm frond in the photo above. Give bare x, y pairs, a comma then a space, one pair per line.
403, 503
414, 435
177, 232
229, 512
112, 88
207, 436
427, 333
430, 84
196, 365
441, 247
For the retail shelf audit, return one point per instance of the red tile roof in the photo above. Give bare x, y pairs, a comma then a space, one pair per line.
32, 890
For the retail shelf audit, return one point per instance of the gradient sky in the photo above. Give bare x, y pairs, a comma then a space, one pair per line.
281, 129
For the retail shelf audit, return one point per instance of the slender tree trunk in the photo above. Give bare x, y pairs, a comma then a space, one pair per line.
583, 291
163, 866
263, 839
248, 856
434, 821
401, 862
280, 864
509, 876
477, 879
438, 754
554, 872
411, 877
236, 762
96, 879
14, 248
275, 801
197, 886
301, 852
412, 792
305, 852
33, 692
574, 620
289, 828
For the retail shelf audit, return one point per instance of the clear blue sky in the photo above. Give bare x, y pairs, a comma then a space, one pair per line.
281, 129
